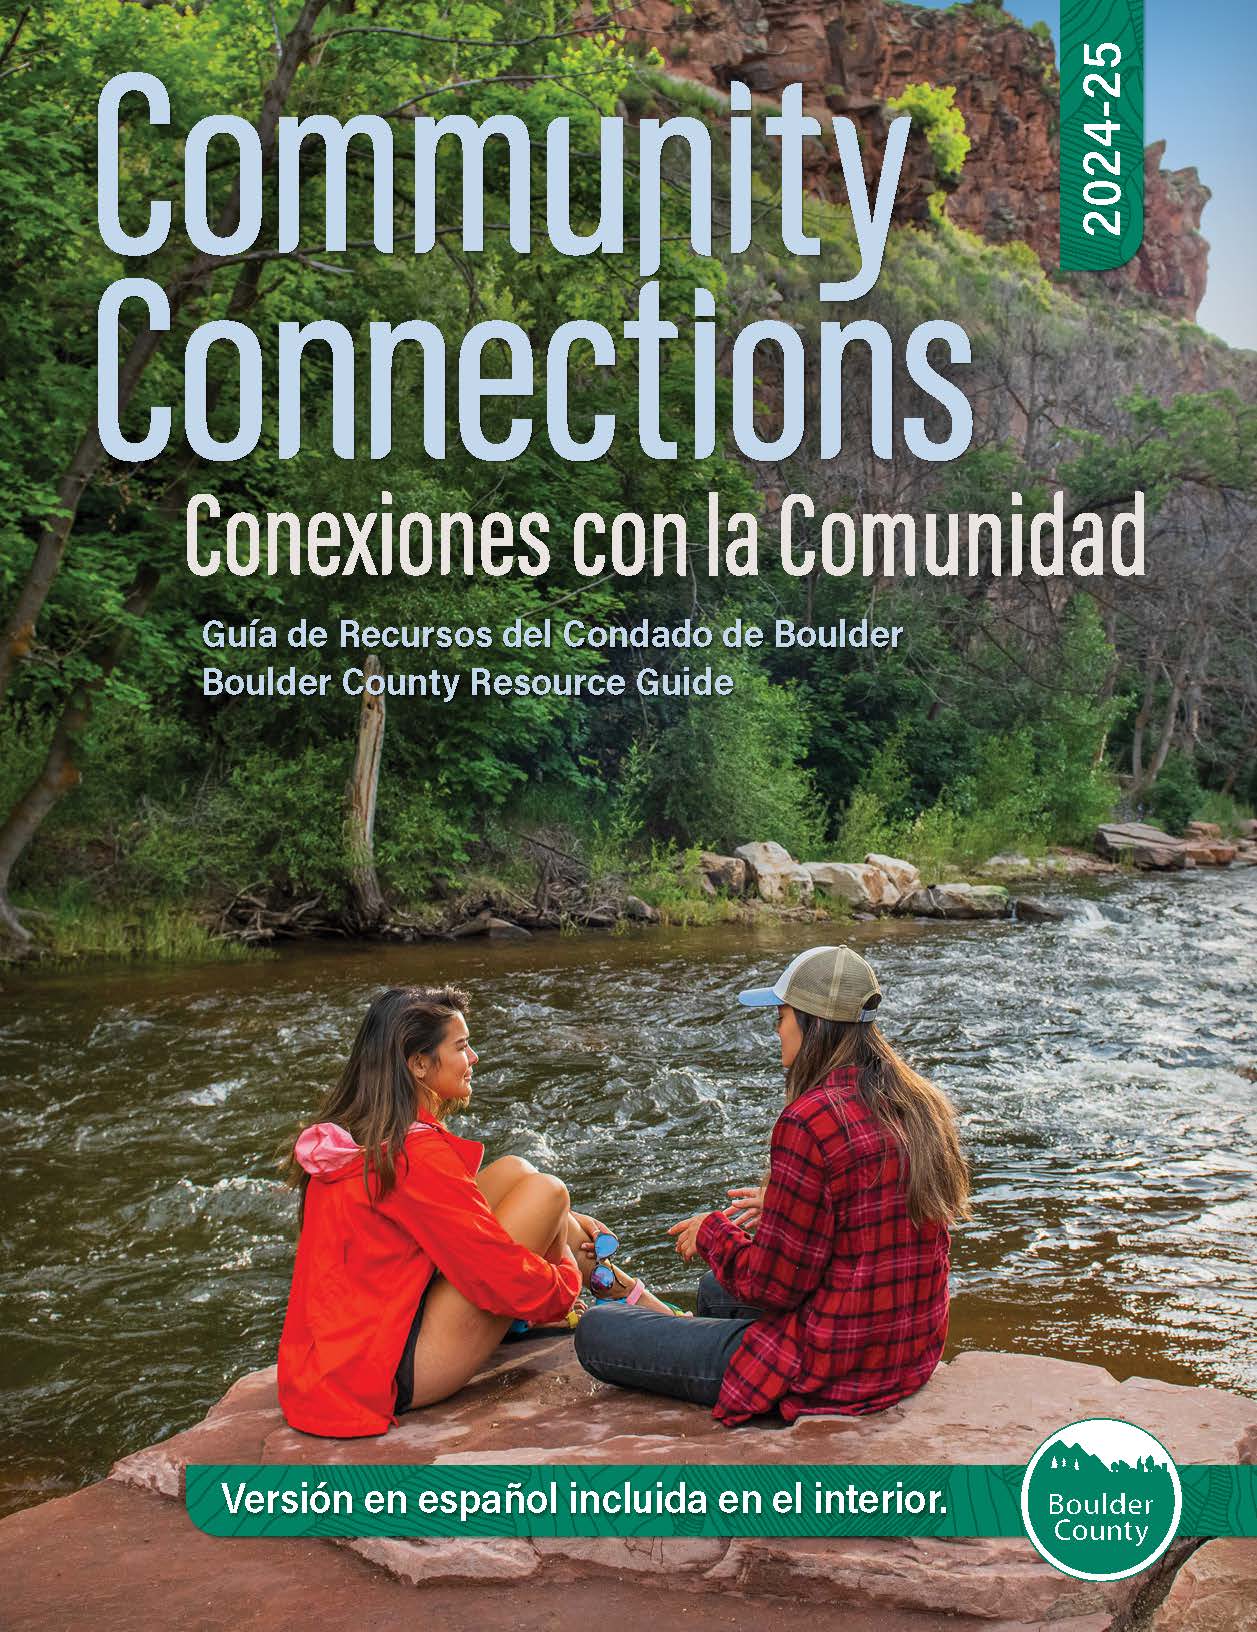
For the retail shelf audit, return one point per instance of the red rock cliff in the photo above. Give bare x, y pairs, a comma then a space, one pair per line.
851, 55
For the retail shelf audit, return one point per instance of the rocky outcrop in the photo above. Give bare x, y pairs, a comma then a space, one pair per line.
852, 55
533, 1404
1172, 263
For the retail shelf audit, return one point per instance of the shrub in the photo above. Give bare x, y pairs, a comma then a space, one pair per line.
729, 770
934, 108
1176, 794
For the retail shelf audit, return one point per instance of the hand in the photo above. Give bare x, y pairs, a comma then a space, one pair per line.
592, 1228
686, 1233
748, 1204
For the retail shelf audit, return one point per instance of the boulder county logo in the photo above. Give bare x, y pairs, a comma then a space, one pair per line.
1101, 1499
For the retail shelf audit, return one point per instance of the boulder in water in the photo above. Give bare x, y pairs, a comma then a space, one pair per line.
776, 874
1028, 909
640, 911
1143, 846
958, 901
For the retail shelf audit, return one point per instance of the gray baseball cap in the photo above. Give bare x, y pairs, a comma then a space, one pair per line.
832, 982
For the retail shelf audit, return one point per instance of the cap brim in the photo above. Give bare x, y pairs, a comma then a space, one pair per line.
760, 997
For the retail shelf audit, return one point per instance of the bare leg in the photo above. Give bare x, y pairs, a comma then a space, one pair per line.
497, 1179
455, 1338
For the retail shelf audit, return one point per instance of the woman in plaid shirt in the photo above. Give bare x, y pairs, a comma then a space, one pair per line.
838, 1301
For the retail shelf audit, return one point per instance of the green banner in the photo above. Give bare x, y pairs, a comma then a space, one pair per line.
633, 1500
1102, 133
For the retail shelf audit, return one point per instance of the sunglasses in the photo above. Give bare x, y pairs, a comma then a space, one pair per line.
603, 1278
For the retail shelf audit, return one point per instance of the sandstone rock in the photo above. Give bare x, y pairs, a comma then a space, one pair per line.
902, 874
854, 881
1143, 846
1030, 910
1248, 829
455, 1558
724, 872
1202, 830
1214, 1591
640, 911
1008, 862
533, 1405
777, 876
1210, 852
958, 901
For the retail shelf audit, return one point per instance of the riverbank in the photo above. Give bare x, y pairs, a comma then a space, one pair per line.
551, 886
130, 1541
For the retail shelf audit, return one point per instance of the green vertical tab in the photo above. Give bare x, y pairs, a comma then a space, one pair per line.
1102, 133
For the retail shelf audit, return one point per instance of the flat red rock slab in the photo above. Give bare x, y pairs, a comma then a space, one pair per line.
535, 1405
121, 1560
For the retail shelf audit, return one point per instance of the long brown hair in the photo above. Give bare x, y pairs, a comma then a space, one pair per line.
375, 1098
918, 1116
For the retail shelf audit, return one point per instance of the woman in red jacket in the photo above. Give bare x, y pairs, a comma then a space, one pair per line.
412, 1260
838, 1302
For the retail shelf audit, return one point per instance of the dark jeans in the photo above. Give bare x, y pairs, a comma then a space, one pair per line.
666, 1354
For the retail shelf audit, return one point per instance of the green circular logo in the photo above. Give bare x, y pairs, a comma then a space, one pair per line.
1101, 1499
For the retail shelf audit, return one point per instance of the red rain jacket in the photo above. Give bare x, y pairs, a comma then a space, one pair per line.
362, 1268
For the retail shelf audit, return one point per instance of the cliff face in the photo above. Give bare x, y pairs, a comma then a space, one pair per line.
851, 55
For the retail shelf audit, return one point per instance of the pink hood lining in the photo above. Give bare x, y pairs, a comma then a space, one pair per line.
327, 1148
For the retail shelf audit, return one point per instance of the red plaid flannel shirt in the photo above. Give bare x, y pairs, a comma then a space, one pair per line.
854, 1294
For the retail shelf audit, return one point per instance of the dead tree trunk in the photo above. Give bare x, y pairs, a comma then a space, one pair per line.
19, 631
59, 773
367, 907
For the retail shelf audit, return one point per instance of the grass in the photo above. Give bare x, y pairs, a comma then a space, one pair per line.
73, 928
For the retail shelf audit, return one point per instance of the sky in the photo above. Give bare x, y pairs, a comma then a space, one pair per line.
1201, 97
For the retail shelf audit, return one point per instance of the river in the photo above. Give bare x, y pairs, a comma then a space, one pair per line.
1102, 1069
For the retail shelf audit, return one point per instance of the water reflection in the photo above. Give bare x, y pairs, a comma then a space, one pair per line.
1097, 1066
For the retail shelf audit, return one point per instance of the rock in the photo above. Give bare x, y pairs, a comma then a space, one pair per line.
640, 911
1210, 852
776, 874
533, 1405
854, 881
1214, 1591
851, 57
902, 874
958, 901
501, 929
1248, 829
479, 925
1202, 830
1030, 910
1008, 862
724, 872
1246, 853
1141, 845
